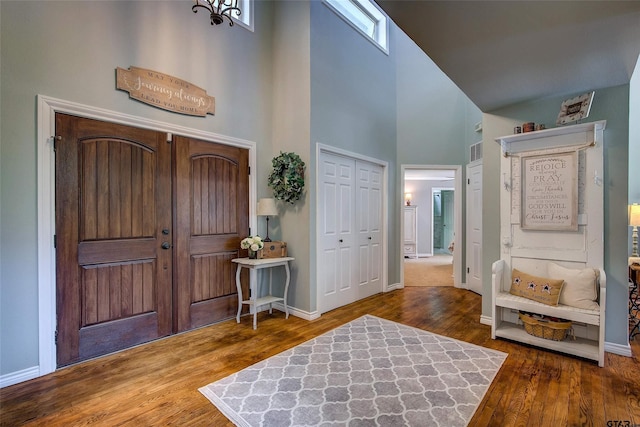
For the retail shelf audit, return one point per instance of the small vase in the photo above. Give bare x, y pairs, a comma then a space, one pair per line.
253, 254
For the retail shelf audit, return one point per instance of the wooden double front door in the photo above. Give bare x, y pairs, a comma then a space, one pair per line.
146, 228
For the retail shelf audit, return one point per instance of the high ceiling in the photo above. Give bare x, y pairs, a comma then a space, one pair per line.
504, 52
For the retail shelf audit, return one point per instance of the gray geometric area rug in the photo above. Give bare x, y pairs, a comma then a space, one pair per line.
368, 372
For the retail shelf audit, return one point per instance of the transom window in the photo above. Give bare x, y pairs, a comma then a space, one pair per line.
246, 17
364, 16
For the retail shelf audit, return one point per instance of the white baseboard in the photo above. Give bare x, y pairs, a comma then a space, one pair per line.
19, 376
394, 287
306, 315
619, 349
486, 320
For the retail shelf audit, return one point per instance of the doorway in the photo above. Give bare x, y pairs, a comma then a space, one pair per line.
442, 223
46, 183
122, 234
434, 190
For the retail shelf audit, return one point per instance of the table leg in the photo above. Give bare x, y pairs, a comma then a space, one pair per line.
286, 289
239, 290
253, 282
270, 290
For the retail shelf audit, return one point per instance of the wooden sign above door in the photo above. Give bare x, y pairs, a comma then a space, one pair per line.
165, 91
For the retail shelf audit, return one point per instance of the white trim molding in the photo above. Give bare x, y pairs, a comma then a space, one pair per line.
486, 320
47, 109
306, 315
619, 349
19, 376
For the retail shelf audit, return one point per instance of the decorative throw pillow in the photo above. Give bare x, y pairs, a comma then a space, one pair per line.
580, 287
541, 289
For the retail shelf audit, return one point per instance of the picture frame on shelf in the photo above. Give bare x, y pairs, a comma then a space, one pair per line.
574, 109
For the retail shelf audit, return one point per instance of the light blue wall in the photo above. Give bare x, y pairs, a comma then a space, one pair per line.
302, 77
353, 103
69, 50
612, 105
435, 118
291, 123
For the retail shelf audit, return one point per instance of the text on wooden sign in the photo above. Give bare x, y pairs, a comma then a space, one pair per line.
165, 91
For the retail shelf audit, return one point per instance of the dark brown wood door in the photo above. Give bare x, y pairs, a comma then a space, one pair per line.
113, 214
211, 191
136, 261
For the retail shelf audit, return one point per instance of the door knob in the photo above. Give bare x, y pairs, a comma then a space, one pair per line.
166, 245
340, 240
369, 237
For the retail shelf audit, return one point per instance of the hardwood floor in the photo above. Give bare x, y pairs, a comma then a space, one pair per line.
157, 384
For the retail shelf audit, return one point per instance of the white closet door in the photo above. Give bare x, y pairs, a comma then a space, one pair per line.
338, 254
474, 228
369, 226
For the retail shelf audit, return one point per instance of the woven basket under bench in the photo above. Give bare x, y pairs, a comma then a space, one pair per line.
545, 328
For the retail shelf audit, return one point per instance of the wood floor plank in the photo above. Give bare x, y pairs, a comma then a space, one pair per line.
157, 383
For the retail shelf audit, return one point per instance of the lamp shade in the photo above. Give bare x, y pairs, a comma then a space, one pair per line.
267, 207
634, 215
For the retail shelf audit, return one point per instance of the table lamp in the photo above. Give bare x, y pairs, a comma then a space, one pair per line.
267, 207
634, 221
407, 198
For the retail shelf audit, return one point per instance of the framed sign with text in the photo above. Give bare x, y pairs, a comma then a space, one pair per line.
164, 91
550, 192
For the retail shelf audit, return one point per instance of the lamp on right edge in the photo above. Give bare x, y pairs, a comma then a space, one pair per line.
634, 221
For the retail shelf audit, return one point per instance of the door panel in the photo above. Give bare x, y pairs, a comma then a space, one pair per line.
212, 216
448, 224
474, 229
338, 254
369, 228
113, 198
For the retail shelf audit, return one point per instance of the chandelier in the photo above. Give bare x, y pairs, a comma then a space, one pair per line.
219, 9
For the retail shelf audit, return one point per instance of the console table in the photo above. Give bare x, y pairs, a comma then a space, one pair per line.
253, 265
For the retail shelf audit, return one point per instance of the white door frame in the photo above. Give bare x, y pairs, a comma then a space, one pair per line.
457, 218
323, 148
46, 184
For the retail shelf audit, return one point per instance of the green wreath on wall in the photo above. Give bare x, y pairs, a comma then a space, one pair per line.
287, 177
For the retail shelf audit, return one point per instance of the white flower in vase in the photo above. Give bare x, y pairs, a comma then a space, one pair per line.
253, 243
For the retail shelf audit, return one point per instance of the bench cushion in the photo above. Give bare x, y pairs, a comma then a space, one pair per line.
540, 289
580, 287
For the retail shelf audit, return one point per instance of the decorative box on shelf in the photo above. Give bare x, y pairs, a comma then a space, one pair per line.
273, 249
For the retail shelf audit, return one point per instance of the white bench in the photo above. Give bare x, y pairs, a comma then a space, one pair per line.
588, 325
